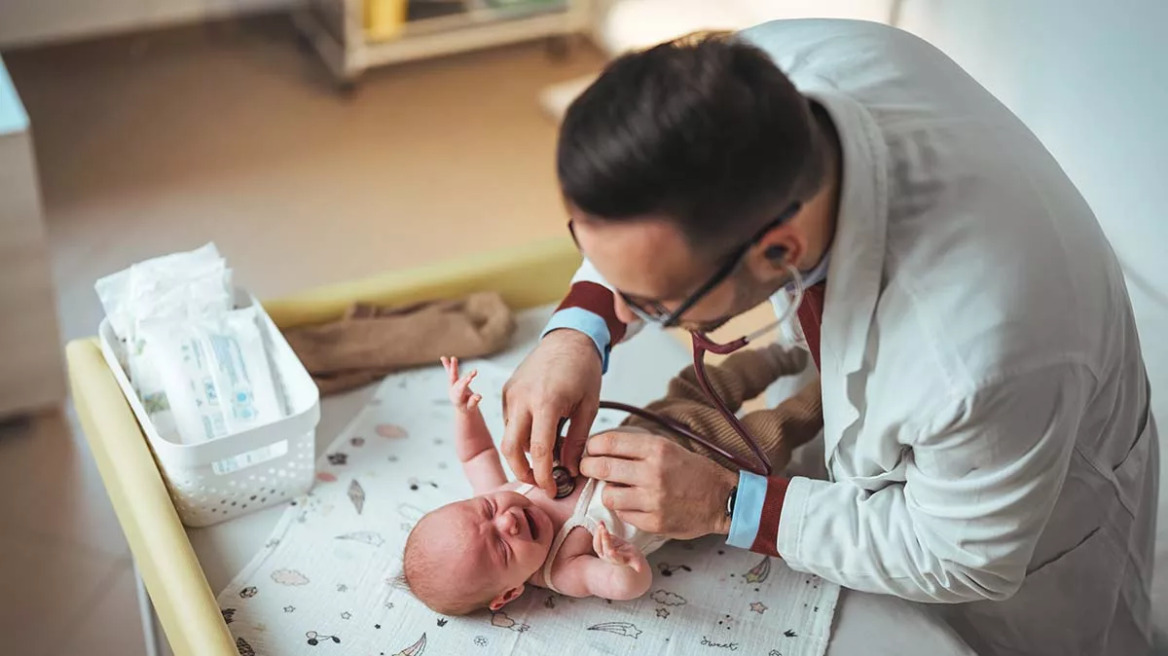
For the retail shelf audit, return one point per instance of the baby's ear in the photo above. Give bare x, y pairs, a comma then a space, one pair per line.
508, 595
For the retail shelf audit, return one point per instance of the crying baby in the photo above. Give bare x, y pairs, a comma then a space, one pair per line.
482, 552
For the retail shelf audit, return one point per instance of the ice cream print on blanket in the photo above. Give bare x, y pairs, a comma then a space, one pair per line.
328, 580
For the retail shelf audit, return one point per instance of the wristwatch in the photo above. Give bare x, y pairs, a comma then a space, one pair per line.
730, 501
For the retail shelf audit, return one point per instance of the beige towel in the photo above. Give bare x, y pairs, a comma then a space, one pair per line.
371, 342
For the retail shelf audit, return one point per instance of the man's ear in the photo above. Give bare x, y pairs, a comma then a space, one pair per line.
506, 597
776, 249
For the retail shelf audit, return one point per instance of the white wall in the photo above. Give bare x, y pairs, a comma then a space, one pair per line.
634, 24
1091, 79
25, 22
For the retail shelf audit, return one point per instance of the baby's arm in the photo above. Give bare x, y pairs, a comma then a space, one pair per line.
619, 571
472, 440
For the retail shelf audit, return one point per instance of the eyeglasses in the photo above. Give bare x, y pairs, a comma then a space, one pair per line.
654, 311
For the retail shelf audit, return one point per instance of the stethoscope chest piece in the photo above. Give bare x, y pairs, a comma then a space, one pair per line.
565, 483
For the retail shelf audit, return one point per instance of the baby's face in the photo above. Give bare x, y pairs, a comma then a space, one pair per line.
502, 535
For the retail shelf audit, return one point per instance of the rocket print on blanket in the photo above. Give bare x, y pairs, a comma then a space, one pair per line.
368, 537
759, 572
327, 580
626, 629
415, 649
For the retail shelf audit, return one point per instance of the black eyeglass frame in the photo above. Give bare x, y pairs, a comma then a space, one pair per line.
654, 311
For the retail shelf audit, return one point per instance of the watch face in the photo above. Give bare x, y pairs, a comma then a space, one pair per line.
730, 501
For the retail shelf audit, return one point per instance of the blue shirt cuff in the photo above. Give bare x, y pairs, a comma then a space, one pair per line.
589, 323
748, 503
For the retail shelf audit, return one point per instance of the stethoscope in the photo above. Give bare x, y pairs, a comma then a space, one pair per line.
702, 344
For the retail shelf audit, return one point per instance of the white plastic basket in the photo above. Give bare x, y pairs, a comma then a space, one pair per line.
236, 474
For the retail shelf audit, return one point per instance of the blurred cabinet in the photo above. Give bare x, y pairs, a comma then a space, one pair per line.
27, 22
354, 35
31, 367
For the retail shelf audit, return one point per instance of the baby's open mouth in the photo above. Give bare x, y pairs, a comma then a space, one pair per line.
531, 524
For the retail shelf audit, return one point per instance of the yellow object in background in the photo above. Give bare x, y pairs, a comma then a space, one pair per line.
385, 19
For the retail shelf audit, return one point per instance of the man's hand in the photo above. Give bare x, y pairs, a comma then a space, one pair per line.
560, 378
658, 486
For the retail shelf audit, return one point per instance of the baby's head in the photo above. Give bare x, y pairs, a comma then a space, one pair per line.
476, 553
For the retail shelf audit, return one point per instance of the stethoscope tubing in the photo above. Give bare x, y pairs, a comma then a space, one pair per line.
701, 345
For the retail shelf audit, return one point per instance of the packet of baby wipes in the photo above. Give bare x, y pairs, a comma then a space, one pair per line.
214, 372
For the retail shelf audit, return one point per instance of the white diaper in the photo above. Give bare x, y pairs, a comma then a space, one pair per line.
591, 512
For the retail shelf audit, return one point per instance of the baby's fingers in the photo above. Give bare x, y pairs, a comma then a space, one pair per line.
610, 552
466, 380
599, 544
473, 402
451, 367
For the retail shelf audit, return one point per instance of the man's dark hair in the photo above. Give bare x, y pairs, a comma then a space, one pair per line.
706, 130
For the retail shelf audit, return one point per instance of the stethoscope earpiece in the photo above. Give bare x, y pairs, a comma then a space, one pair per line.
774, 253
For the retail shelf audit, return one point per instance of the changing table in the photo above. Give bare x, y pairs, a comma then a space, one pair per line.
180, 569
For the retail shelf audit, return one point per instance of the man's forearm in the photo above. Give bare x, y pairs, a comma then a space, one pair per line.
589, 308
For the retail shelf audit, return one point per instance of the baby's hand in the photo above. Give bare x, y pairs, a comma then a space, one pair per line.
460, 393
615, 550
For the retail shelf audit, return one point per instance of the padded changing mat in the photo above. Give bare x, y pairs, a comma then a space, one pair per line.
324, 582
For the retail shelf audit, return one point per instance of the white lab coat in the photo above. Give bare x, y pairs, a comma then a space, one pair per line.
986, 419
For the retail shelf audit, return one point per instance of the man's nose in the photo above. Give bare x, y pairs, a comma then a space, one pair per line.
623, 311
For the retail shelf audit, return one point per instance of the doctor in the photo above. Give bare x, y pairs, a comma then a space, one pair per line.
987, 433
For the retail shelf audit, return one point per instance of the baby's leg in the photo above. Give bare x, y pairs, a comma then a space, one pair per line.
789, 425
740, 377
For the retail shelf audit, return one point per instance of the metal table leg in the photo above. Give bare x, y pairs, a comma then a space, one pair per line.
151, 630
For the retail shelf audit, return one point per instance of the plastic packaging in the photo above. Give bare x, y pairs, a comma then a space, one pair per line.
215, 374
180, 285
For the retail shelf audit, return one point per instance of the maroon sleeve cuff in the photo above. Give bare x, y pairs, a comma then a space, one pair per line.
766, 541
598, 300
